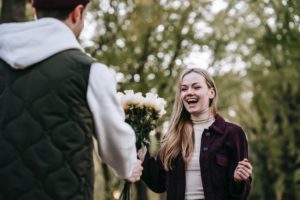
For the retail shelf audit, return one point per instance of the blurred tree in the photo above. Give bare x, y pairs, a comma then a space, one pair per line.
145, 42
264, 35
148, 43
277, 102
13, 10
251, 47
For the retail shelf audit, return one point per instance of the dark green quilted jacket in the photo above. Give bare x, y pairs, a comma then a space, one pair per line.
46, 130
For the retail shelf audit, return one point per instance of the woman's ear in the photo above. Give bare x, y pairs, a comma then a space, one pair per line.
212, 93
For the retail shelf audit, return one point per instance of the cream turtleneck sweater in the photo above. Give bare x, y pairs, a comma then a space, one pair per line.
194, 187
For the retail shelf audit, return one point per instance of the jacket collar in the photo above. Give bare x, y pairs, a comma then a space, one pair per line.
219, 125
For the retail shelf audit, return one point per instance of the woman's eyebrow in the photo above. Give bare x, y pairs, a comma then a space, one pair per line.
195, 83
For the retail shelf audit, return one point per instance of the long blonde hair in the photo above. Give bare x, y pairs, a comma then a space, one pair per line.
179, 138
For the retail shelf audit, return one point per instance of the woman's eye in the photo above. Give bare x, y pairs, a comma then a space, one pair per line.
183, 89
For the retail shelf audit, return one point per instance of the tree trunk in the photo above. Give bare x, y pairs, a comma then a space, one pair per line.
163, 196
107, 178
141, 191
13, 11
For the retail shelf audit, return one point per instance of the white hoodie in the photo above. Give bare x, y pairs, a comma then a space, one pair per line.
24, 44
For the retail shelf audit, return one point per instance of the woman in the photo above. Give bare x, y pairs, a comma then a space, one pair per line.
202, 156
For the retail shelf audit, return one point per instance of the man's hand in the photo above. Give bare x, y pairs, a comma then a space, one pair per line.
136, 173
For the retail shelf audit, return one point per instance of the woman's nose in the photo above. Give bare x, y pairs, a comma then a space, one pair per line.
190, 91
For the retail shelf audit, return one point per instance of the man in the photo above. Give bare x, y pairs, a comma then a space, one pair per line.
53, 100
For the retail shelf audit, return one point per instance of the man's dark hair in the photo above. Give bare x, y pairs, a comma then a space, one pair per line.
58, 14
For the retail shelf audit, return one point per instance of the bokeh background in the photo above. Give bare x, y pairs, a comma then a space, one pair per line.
252, 49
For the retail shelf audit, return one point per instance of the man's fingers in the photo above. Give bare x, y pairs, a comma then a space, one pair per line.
136, 172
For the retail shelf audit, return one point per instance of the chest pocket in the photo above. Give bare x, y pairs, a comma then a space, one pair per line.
222, 160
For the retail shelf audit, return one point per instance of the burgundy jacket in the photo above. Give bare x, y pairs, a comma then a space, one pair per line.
223, 144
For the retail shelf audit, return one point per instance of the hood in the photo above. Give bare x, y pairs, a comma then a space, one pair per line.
27, 43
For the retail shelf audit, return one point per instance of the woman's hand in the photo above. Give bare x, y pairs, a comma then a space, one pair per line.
242, 171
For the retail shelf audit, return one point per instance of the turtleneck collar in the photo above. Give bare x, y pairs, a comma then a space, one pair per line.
204, 117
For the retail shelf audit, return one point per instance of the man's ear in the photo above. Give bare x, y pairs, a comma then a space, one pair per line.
76, 14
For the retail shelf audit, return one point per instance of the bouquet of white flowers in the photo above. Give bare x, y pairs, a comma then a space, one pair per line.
142, 114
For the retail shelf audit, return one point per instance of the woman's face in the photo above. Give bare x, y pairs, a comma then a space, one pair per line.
195, 93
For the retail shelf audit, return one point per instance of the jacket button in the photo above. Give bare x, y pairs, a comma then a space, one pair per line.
205, 149
207, 133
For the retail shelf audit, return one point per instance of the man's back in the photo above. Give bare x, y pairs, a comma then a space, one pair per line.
46, 129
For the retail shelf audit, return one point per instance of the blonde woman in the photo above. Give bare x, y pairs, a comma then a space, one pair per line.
202, 156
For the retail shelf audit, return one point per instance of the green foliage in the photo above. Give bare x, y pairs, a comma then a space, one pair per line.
142, 120
145, 41
254, 49
254, 57
277, 103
